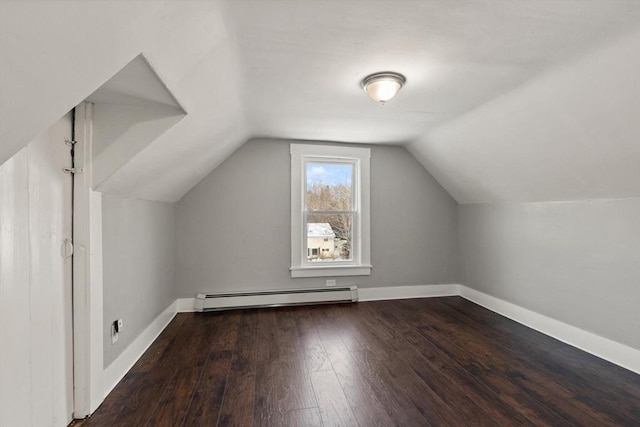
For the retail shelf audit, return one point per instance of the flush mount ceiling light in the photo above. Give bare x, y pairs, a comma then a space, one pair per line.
382, 87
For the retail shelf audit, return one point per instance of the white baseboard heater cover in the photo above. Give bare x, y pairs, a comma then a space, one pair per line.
233, 300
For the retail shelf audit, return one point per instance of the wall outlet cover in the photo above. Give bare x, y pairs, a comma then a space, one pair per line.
114, 333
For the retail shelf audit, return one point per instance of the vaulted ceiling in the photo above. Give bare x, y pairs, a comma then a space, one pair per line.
504, 101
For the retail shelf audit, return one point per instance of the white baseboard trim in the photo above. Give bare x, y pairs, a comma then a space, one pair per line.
119, 367
406, 292
604, 348
186, 305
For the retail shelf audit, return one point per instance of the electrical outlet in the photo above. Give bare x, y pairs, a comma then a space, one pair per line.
331, 282
114, 332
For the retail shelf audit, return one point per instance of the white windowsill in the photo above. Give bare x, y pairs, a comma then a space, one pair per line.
331, 270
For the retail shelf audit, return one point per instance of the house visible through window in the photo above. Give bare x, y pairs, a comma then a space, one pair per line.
329, 211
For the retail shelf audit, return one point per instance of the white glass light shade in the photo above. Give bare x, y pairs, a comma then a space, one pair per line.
382, 87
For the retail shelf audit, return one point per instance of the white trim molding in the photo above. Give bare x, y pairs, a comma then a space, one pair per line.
119, 367
331, 270
406, 292
604, 348
359, 157
186, 305
87, 272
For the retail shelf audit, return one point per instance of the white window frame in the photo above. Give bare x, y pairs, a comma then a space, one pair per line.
360, 265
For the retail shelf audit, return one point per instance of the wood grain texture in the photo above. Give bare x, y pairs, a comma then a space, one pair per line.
332, 403
237, 406
437, 361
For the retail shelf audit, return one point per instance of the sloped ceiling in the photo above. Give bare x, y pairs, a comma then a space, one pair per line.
572, 133
478, 109
130, 111
54, 54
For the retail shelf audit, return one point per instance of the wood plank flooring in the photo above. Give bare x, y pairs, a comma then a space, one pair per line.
422, 362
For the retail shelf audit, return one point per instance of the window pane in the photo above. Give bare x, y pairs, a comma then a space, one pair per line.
329, 237
328, 186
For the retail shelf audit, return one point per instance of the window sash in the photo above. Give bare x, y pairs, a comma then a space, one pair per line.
331, 160
354, 246
355, 208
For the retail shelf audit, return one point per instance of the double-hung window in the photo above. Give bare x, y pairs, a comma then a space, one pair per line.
329, 211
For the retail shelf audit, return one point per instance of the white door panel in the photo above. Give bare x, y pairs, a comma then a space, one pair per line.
15, 328
36, 284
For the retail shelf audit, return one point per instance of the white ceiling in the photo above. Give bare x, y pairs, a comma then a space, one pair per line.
303, 61
135, 84
291, 69
130, 111
571, 133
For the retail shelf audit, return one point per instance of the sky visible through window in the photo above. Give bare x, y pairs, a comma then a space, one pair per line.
329, 174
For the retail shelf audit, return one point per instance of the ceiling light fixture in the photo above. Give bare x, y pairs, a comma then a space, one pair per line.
382, 87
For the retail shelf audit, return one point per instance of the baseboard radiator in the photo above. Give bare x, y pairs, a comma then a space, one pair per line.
234, 300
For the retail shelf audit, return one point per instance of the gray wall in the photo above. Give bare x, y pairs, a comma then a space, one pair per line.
234, 227
577, 262
139, 240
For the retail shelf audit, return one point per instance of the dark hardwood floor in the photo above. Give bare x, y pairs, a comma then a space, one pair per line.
436, 361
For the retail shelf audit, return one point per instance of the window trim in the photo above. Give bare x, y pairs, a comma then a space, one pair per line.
361, 264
